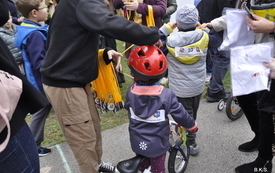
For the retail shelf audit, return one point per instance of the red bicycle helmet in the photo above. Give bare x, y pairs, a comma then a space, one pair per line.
147, 62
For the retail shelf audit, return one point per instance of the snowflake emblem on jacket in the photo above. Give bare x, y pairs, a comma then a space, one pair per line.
142, 145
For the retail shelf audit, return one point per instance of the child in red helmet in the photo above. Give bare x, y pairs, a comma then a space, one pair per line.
148, 104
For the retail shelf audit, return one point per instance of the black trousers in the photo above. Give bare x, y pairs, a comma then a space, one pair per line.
261, 123
191, 105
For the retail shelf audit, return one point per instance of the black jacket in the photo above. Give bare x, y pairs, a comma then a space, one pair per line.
71, 59
211, 9
31, 99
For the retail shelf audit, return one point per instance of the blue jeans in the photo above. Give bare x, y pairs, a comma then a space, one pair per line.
221, 62
209, 62
21, 154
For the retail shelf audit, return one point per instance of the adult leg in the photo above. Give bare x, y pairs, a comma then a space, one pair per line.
221, 62
248, 103
80, 123
209, 64
263, 162
21, 153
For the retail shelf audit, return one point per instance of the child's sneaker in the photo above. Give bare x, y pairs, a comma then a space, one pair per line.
194, 150
43, 151
104, 168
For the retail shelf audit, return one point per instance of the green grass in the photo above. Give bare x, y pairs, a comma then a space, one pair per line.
53, 134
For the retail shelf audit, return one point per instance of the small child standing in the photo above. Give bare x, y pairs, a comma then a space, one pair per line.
31, 38
7, 33
148, 104
187, 62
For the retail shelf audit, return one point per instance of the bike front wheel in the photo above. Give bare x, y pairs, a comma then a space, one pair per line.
178, 158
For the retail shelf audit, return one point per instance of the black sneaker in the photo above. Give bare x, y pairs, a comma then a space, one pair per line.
216, 97
104, 167
43, 151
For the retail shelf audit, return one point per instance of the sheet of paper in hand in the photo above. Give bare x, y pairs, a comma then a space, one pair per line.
248, 74
238, 33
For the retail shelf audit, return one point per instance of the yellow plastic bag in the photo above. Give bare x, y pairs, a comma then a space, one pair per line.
106, 88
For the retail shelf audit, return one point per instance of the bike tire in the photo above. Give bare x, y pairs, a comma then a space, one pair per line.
177, 162
221, 105
233, 109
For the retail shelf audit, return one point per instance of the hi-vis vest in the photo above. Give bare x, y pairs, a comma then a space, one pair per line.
266, 10
190, 54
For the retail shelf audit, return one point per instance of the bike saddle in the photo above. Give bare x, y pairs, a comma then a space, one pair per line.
130, 165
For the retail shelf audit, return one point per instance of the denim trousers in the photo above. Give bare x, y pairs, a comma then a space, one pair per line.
21, 154
209, 61
221, 62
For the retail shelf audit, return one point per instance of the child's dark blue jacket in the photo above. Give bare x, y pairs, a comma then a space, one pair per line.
31, 39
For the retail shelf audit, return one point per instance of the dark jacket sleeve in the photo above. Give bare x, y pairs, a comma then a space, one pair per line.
215, 39
113, 26
159, 8
171, 7
31, 99
117, 4
163, 39
36, 49
211, 9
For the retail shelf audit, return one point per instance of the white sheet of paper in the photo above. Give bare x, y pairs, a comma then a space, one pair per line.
248, 74
238, 32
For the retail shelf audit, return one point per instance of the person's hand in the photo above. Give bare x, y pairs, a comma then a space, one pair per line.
260, 24
132, 6
20, 19
271, 65
172, 25
158, 44
116, 57
119, 68
204, 25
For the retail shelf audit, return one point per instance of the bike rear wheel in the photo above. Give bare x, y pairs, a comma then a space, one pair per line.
233, 109
178, 159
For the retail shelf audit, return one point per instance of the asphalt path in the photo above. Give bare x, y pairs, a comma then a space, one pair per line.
218, 139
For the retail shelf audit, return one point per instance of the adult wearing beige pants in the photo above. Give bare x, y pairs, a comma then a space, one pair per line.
80, 122
71, 63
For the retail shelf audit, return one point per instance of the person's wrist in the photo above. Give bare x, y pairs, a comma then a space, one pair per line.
273, 27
